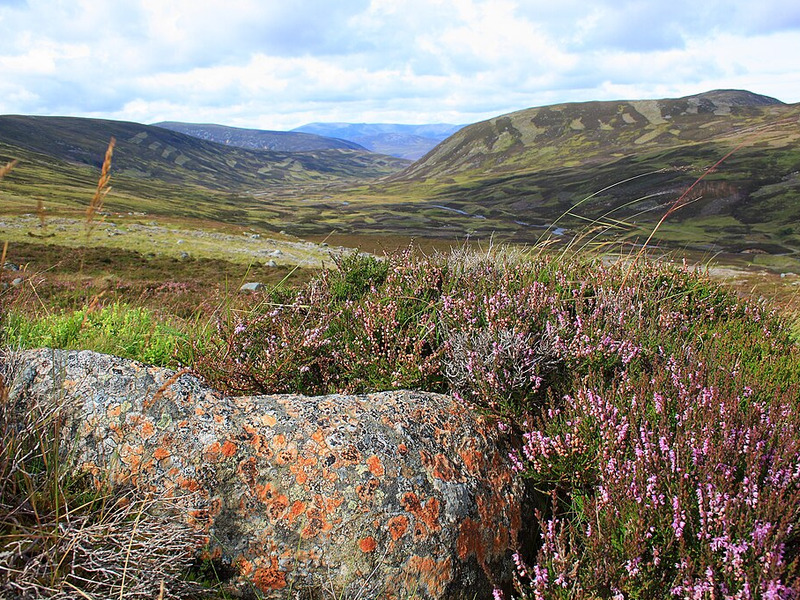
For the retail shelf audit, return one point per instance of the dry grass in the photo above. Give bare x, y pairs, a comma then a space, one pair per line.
6, 169
63, 535
96, 203
103, 187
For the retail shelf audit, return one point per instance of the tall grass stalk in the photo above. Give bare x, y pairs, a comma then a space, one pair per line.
96, 203
6, 169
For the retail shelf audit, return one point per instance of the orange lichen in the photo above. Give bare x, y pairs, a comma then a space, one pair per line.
375, 466
402, 449
190, 484
268, 420
470, 541
434, 575
430, 514
440, 466
427, 516
114, 411
297, 509
131, 456
286, 456
244, 566
398, 526
367, 544
147, 430
212, 451
277, 507
161, 453
264, 492
316, 524
270, 578
319, 437
228, 449
329, 504
473, 461
411, 502
301, 471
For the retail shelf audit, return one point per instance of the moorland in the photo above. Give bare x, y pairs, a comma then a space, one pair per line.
656, 408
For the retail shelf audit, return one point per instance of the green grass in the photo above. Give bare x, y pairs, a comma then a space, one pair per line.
118, 329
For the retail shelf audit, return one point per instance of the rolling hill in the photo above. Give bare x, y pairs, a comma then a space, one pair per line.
166, 173
258, 139
616, 166
403, 141
149, 152
620, 165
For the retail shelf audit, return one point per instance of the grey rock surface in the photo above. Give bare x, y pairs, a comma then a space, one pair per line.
387, 495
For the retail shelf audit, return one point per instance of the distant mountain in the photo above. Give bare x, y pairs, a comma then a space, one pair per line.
146, 152
258, 139
404, 141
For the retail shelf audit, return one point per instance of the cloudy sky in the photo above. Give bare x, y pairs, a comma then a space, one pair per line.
277, 64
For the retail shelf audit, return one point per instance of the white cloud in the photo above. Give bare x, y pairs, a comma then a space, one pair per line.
272, 63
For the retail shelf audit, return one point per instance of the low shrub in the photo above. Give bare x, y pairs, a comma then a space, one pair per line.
656, 412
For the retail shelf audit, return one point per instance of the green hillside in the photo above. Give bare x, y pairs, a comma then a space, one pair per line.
619, 164
169, 174
155, 153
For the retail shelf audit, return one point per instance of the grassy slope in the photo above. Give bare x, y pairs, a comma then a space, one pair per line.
149, 152
515, 173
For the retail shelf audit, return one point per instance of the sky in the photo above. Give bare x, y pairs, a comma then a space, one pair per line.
278, 64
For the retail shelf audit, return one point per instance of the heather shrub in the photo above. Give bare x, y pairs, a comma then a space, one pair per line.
656, 413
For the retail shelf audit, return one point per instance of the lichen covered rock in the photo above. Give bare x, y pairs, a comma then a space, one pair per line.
391, 494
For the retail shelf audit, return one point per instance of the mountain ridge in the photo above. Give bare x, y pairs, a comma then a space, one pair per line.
260, 139
509, 142
161, 154
395, 139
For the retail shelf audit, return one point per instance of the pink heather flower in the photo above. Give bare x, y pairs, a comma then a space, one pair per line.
497, 594
523, 572
516, 463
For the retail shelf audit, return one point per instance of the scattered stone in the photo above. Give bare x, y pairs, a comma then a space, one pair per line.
390, 495
255, 236
9, 266
272, 263
254, 286
184, 255
181, 242
17, 281
788, 274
